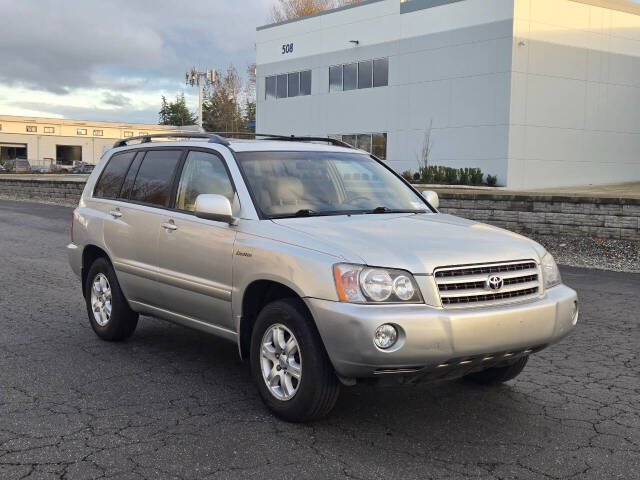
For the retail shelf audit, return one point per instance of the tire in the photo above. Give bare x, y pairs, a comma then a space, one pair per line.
318, 388
496, 375
121, 322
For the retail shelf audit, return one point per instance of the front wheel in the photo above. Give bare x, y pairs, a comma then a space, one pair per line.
496, 375
290, 365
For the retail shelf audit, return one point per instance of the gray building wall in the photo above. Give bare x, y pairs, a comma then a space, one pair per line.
456, 81
541, 93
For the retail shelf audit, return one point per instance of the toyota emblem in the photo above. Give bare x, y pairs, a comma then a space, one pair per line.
494, 282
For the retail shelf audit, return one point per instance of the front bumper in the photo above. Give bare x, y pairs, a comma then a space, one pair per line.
430, 336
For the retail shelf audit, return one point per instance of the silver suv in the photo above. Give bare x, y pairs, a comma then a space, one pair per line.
317, 259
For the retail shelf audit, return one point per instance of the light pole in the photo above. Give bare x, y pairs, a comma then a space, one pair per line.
196, 77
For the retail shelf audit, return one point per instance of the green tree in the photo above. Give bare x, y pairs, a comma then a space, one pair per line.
222, 109
176, 113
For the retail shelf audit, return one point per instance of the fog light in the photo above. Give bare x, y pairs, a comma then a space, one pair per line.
386, 336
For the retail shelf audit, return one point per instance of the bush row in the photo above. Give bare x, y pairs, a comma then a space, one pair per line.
437, 174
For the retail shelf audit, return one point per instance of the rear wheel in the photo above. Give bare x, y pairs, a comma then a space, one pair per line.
109, 313
290, 365
495, 375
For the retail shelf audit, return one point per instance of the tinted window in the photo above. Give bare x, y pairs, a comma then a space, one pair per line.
381, 72
335, 78
113, 175
153, 183
365, 74
305, 82
294, 84
282, 86
350, 73
202, 173
131, 176
270, 87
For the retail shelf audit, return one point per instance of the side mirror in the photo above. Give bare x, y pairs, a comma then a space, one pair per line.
431, 197
214, 207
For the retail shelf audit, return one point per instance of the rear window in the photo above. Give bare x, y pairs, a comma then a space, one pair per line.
113, 175
155, 177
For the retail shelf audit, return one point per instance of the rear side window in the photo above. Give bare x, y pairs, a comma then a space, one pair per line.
131, 176
113, 175
155, 177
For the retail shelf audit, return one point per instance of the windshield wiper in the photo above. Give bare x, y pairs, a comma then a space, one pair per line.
305, 212
391, 210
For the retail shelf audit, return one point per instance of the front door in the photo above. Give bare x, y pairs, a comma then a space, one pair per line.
196, 255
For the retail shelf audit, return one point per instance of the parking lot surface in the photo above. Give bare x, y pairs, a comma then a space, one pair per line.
174, 403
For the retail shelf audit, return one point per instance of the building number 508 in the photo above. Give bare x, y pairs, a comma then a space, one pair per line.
287, 48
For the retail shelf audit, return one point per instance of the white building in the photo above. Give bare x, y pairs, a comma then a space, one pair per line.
540, 92
63, 141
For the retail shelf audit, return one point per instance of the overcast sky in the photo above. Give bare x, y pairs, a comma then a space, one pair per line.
113, 59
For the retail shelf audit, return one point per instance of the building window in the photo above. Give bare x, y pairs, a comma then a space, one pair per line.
294, 84
287, 85
128, 133
374, 143
270, 87
350, 76
335, 78
143, 133
32, 129
365, 74
81, 131
98, 133
381, 72
305, 82
49, 130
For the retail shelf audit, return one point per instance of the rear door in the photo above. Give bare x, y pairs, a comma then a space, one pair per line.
196, 255
131, 226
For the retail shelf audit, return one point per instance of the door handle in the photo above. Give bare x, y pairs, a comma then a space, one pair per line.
115, 213
169, 226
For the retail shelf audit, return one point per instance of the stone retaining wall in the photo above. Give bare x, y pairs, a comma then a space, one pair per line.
48, 190
617, 218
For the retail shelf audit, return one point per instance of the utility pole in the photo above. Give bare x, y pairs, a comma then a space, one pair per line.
196, 77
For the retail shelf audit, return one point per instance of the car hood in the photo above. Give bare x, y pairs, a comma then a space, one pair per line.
415, 242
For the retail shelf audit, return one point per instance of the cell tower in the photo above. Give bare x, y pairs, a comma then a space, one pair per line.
196, 77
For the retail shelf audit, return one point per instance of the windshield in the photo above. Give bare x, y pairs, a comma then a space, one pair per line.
287, 184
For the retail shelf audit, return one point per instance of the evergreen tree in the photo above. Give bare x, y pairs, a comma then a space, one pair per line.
176, 113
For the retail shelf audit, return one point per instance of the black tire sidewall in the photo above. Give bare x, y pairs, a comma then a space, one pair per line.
315, 362
123, 320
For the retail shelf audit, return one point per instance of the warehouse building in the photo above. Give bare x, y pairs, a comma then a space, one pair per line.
54, 141
541, 93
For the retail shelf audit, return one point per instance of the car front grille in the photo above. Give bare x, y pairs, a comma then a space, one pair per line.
470, 285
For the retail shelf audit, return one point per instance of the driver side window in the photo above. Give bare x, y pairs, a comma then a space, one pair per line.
203, 173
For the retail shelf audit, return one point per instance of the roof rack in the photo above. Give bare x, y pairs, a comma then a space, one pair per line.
288, 138
212, 137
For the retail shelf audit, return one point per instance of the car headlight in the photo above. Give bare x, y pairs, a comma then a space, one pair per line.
360, 284
550, 272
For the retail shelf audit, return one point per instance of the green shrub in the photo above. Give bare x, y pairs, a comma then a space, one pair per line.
476, 176
492, 180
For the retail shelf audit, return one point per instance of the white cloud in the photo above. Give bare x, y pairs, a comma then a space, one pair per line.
117, 55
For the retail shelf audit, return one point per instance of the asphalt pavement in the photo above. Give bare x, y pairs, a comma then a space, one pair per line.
175, 403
